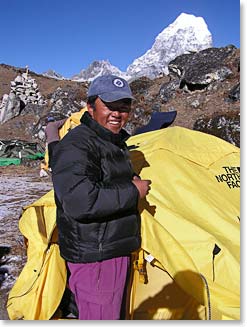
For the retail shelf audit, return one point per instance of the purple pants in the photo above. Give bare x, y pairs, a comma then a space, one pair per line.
98, 288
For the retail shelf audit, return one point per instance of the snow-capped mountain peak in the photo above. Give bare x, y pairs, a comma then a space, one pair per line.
186, 34
187, 21
51, 73
97, 68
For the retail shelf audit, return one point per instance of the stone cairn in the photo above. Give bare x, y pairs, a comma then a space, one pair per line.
23, 89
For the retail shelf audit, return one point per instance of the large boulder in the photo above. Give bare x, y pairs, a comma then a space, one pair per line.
10, 107
197, 70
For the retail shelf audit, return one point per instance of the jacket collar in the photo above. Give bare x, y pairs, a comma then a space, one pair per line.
103, 132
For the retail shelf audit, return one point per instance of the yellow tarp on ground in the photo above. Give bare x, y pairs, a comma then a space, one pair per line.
190, 226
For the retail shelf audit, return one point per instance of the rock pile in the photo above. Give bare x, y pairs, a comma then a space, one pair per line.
23, 90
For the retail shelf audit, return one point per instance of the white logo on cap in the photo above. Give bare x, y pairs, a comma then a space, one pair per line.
118, 82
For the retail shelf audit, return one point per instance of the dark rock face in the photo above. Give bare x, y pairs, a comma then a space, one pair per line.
168, 90
4, 250
34, 109
142, 85
65, 101
234, 93
198, 70
225, 126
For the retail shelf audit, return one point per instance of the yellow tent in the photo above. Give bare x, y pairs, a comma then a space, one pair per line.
189, 264
190, 226
39, 288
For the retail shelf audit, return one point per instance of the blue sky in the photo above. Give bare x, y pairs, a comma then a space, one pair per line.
69, 35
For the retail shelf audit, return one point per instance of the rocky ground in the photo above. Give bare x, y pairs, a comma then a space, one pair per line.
21, 186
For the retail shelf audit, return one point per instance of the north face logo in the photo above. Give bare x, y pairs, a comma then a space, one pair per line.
230, 176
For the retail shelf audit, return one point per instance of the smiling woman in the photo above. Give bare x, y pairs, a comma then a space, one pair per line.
109, 102
97, 194
112, 115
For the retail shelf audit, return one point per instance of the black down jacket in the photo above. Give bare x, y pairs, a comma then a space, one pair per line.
97, 203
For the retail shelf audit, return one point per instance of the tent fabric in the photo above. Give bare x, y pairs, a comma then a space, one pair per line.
39, 288
193, 205
18, 161
189, 263
9, 161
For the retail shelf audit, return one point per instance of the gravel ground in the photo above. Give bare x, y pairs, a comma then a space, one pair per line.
20, 186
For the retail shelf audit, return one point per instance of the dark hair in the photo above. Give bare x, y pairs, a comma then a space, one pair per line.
91, 100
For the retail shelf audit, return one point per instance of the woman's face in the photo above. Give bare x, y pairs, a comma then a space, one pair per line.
111, 115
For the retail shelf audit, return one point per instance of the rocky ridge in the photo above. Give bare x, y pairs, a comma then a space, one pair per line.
200, 87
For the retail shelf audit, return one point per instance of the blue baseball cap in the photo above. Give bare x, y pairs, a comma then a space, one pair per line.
110, 88
50, 119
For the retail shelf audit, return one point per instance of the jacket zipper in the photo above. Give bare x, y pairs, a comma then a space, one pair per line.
98, 279
100, 247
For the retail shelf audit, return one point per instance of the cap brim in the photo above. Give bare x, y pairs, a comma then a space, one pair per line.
115, 96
